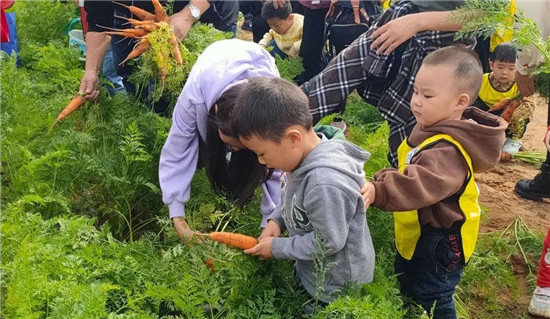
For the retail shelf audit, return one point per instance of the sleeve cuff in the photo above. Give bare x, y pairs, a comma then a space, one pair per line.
176, 209
379, 195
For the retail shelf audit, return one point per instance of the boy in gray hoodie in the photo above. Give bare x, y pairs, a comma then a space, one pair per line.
321, 206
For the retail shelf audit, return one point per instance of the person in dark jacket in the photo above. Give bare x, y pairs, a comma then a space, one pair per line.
101, 15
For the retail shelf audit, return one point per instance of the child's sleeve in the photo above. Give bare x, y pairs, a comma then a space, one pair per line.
436, 174
266, 39
329, 209
271, 196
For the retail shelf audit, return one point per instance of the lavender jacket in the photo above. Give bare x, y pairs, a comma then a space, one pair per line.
222, 65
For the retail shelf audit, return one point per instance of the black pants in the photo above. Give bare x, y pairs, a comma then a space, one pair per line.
313, 40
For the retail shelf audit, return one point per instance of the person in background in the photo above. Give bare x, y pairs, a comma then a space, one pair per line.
321, 204
285, 35
500, 84
202, 122
101, 15
381, 63
433, 190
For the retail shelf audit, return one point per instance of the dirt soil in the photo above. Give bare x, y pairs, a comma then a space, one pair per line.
497, 185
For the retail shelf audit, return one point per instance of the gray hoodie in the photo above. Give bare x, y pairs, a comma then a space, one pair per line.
321, 196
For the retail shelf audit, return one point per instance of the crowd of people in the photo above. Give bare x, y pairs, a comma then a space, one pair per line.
255, 129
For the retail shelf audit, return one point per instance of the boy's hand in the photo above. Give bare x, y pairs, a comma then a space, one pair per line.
368, 193
272, 229
262, 249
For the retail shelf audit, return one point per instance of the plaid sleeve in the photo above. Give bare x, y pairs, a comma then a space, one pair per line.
328, 91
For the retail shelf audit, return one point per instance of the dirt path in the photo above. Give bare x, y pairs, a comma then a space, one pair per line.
497, 185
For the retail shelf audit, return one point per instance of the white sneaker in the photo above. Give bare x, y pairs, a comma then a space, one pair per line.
511, 146
540, 302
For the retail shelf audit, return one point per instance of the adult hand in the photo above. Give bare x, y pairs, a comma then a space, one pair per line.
262, 249
181, 23
526, 84
368, 193
182, 228
89, 85
392, 34
278, 3
272, 229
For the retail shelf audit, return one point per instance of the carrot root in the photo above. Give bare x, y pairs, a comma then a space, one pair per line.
75, 103
234, 240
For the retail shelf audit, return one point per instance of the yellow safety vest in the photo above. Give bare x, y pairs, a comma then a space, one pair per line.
504, 35
490, 96
407, 224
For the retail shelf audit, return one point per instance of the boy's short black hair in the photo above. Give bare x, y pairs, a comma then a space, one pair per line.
468, 71
504, 52
266, 107
269, 11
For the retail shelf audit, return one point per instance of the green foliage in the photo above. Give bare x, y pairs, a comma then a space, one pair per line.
290, 67
481, 18
42, 22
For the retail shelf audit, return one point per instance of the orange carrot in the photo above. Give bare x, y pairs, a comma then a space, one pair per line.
159, 12
138, 12
135, 22
163, 72
234, 240
128, 33
75, 103
176, 50
210, 264
141, 47
509, 111
500, 105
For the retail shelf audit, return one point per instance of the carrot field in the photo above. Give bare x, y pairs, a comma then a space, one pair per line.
84, 232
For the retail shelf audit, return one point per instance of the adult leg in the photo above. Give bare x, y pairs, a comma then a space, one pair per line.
312, 42
538, 187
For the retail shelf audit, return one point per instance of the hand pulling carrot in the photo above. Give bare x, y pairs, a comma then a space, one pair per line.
233, 239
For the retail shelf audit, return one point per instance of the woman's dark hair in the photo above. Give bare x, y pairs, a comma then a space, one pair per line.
505, 52
237, 176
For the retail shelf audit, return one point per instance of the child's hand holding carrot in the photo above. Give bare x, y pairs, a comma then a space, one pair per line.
262, 250
272, 229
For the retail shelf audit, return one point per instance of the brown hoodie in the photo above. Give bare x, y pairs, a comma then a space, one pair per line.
439, 172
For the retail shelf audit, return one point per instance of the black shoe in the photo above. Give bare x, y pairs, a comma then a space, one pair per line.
536, 188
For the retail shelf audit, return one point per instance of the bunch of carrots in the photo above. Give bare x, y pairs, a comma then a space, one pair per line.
509, 105
152, 32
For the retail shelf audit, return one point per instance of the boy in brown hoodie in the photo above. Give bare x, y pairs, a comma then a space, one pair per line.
433, 191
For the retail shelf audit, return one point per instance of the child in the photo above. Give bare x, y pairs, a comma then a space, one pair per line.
321, 203
285, 35
500, 84
433, 192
